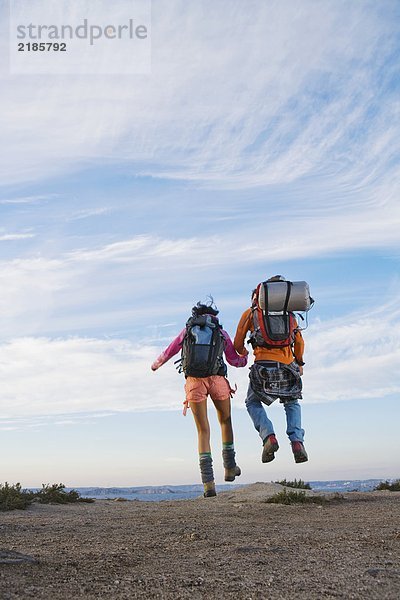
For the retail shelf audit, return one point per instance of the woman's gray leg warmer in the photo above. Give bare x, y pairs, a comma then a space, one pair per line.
228, 456
206, 468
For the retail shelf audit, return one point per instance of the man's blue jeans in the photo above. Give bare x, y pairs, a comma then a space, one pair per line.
264, 426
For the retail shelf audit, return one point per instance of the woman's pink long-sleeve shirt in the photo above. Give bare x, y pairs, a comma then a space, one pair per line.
233, 358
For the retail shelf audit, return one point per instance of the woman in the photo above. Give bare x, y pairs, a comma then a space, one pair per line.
203, 343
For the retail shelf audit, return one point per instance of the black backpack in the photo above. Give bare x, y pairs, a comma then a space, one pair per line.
203, 348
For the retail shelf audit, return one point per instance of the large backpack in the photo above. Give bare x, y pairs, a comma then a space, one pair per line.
272, 329
203, 347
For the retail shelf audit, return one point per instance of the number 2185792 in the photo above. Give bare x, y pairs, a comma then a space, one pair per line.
42, 47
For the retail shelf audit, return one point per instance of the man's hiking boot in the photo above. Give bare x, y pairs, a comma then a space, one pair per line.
270, 447
230, 474
209, 489
299, 452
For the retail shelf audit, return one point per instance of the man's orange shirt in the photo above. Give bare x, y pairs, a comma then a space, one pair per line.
283, 355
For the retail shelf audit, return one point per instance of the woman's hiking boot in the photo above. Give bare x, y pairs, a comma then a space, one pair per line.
299, 452
270, 447
230, 474
209, 489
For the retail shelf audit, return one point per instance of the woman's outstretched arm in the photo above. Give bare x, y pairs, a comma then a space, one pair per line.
173, 349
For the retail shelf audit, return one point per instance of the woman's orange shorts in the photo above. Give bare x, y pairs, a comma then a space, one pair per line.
198, 388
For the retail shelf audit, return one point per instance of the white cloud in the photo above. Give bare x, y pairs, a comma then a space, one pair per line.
348, 359
94, 212
70, 376
355, 357
28, 199
238, 96
10, 237
114, 284
29, 286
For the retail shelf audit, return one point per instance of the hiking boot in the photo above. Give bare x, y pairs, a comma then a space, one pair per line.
209, 489
270, 447
299, 452
230, 474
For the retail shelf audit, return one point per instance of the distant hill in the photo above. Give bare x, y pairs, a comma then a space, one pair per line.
180, 492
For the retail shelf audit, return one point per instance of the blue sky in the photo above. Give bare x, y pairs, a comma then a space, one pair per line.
265, 140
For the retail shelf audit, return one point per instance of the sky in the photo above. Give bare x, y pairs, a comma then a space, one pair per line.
264, 139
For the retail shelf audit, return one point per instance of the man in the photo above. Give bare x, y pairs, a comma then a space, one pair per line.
276, 373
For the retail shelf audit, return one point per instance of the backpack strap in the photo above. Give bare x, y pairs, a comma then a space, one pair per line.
261, 323
288, 293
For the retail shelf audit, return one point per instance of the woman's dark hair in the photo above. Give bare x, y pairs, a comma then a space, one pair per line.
205, 309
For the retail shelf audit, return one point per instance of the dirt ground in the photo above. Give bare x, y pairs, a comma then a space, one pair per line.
232, 546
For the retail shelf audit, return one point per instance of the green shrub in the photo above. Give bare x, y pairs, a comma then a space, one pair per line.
56, 494
289, 497
300, 484
14, 497
285, 497
392, 487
